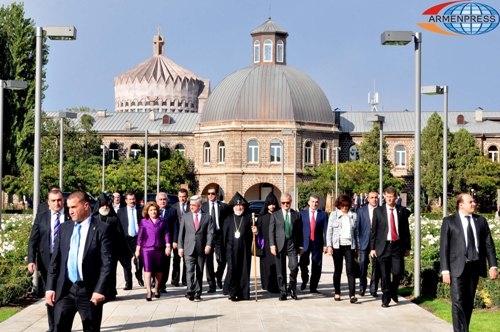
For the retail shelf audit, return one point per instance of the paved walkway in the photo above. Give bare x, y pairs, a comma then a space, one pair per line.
312, 312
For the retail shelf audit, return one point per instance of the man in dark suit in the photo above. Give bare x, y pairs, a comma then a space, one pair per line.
365, 217
181, 207
466, 245
80, 267
216, 210
390, 243
130, 217
314, 224
195, 243
41, 243
168, 214
286, 240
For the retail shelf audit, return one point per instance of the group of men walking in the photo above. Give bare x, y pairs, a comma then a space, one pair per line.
77, 260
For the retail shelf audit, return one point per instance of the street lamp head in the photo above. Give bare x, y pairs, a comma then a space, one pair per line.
396, 37
60, 32
14, 85
67, 115
432, 90
376, 118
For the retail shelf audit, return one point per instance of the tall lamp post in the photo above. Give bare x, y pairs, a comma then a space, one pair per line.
294, 134
55, 33
337, 150
282, 166
442, 90
403, 38
379, 119
11, 85
158, 168
103, 147
62, 116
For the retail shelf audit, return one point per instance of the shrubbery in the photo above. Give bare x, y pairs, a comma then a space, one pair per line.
15, 281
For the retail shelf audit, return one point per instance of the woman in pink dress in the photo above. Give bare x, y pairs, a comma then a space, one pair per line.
153, 243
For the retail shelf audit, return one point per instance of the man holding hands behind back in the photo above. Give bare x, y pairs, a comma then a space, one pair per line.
466, 244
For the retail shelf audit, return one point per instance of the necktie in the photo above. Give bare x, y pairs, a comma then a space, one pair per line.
471, 243
162, 213
131, 223
196, 221
394, 232
288, 226
313, 224
73, 254
57, 224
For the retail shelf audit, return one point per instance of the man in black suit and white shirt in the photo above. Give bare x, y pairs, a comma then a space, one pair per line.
181, 208
390, 242
41, 243
80, 267
466, 244
195, 243
286, 240
216, 210
130, 217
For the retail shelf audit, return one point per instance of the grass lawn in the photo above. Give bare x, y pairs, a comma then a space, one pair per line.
6, 312
482, 320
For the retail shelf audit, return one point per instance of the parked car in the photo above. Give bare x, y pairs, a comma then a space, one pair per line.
172, 199
255, 205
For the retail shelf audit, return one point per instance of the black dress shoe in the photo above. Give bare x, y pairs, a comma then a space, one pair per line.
211, 290
362, 292
175, 283
303, 286
197, 298
314, 291
189, 297
282, 297
384, 305
374, 294
163, 291
127, 288
395, 298
293, 294
219, 284
353, 299
140, 282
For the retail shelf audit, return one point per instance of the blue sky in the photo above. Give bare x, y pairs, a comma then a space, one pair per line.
337, 43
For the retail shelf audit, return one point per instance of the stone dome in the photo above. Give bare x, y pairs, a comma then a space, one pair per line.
269, 90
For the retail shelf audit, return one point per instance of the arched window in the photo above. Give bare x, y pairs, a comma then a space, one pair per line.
493, 153
222, 152
180, 148
275, 149
280, 51
323, 153
400, 157
308, 153
268, 50
206, 152
253, 151
113, 151
135, 151
256, 51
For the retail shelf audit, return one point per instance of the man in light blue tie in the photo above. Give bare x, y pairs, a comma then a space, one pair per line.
80, 267
130, 216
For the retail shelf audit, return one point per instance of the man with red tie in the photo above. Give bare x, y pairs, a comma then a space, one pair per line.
314, 222
390, 243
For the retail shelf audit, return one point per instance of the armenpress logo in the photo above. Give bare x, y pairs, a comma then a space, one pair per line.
457, 18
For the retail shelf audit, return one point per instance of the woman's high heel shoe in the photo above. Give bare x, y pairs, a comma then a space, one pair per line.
157, 295
148, 296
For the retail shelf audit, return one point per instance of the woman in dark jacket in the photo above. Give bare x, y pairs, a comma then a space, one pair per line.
267, 261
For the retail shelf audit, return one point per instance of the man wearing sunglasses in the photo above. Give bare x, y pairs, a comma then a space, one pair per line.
286, 240
215, 209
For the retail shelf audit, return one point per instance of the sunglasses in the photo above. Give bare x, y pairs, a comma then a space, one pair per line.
285, 203
211, 193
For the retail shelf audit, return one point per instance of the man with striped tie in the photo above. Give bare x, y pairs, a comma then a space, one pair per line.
41, 243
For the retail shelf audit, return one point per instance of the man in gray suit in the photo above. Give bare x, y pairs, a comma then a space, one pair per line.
286, 240
194, 244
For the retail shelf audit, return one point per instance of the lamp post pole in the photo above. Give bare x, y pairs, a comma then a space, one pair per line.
379, 119
282, 166
145, 167
11, 85
294, 134
403, 38
103, 147
158, 169
337, 149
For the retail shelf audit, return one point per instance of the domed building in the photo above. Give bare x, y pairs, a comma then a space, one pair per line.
263, 124
160, 85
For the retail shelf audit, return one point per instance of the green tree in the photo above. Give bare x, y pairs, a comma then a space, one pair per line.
463, 152
369, 149
484, 177
17, 45
432, 157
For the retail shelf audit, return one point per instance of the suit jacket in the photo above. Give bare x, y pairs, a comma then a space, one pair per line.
123, 216
40, 241
153, 235
174, 236
220, 211
96, 264
319, 231
452, 246
334, 230
380, 227
277, 230
194, 241
364, 227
